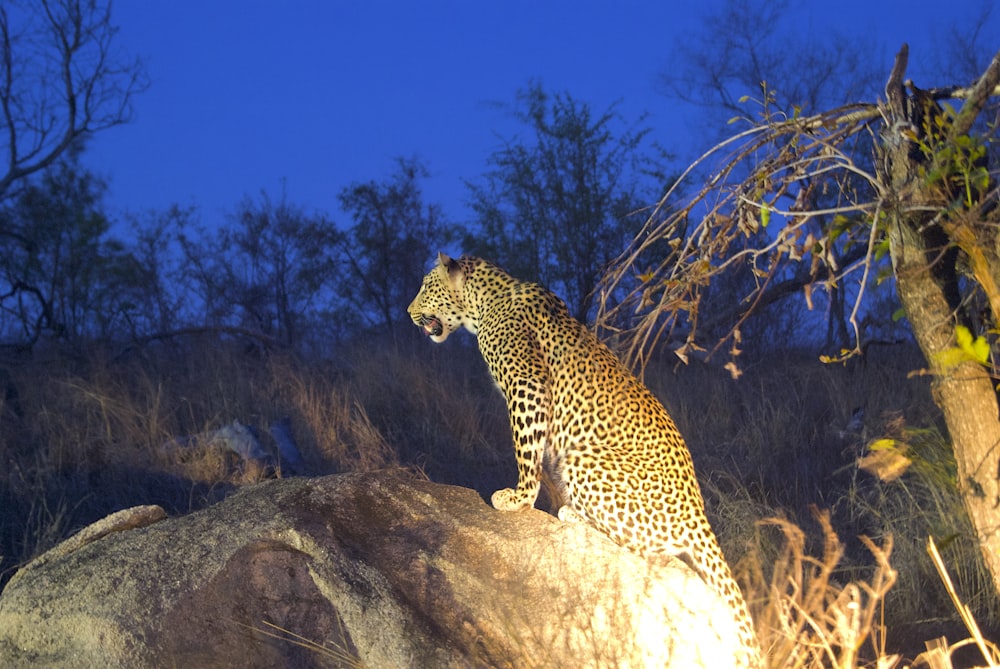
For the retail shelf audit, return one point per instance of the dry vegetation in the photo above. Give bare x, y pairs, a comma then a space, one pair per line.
84, 436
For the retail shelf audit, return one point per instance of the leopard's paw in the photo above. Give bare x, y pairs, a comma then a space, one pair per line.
568, 514
509, 500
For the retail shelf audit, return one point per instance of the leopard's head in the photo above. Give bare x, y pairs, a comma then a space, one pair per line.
439, 307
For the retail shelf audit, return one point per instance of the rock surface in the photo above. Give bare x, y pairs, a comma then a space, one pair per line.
374, 570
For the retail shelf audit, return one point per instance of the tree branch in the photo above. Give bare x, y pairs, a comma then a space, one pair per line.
981, 91
895, 94
73, 38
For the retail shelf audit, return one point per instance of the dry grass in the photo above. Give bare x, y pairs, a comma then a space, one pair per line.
939, 653
804, 617
81, 437
340, 652
807, 618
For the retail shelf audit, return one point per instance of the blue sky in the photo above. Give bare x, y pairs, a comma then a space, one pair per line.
316, 94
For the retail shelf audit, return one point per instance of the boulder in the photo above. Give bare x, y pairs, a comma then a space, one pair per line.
375, 570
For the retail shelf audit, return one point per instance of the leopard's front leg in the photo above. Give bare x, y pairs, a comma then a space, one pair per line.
527, 404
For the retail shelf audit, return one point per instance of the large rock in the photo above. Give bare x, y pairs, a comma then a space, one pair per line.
374, 570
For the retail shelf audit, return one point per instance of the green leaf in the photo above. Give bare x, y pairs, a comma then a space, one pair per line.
968, 349
881, 249
963, 336
765, 215
837, 227
882, 445
950, 358
977, 349
981, 178
883, 275
898, 315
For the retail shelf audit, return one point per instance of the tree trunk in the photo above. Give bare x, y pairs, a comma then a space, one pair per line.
965, 393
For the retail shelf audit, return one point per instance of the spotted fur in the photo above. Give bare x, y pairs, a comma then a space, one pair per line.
619, 460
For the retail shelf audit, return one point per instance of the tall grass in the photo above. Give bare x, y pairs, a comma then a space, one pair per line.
83, 436
779, 441
804, 616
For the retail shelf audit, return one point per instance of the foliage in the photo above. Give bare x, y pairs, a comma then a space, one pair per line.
927, 204
966, 349
735, 65
165, 301
61, 81
797, 203
270, 273
555, 205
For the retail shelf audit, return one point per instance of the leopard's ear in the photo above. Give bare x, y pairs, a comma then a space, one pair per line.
452, 267
452, 270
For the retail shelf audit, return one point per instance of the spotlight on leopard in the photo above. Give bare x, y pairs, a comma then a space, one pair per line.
614, 452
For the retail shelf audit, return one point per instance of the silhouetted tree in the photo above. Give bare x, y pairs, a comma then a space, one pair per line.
165, 302
268, 270
386, 251
558, 206
64, 274
61, 80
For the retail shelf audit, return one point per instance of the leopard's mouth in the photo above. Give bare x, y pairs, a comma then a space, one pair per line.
431, 326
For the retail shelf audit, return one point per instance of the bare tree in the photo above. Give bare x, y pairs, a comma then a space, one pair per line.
923, 209
746, 42
61, 80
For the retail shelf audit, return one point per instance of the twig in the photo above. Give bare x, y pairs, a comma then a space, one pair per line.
993, 658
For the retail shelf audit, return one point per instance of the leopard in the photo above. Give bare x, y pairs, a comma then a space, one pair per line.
617, 459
